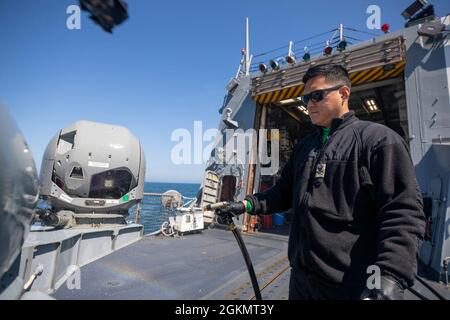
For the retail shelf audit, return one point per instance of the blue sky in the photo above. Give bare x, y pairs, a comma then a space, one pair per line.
163, 69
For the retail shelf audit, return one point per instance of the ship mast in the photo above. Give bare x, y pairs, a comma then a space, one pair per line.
247, 49
246, 59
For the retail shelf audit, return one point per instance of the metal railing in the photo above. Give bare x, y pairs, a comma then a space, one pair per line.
152, 211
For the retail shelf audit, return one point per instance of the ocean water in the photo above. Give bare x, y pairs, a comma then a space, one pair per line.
153, 214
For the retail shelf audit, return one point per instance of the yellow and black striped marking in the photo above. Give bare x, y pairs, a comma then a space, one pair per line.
357, 78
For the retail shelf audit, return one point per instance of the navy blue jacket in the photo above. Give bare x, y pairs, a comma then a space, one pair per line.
355, 201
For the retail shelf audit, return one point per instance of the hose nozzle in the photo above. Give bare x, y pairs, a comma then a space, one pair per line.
215, 206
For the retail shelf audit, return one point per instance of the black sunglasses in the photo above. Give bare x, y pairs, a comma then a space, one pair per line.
318, 95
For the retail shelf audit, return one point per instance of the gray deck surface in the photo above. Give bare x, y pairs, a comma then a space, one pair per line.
423, 290
207, 265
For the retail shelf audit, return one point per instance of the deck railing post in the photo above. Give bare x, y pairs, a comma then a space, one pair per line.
138, 213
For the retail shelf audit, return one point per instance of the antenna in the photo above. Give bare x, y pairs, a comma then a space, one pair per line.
290, 52
244, 66
247, 49
342, 45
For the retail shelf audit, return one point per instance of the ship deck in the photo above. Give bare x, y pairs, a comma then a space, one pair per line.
202, 266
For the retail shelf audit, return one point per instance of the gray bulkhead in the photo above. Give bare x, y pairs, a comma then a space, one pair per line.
242, 110
427, 79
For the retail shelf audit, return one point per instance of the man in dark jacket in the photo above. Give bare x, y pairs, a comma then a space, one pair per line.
356, 204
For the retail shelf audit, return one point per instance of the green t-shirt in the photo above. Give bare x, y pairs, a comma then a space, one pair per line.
325, 133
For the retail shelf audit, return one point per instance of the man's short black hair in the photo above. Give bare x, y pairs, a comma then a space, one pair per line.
332, 73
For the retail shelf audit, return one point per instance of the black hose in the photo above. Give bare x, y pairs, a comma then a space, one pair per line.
225, 212
418, 294
248, 262
426, 285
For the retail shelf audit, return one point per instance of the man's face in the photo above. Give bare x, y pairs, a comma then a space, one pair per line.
333, 105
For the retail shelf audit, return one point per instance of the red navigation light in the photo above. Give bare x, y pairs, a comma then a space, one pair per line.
291, 60
263, 68
385, 28
328, 50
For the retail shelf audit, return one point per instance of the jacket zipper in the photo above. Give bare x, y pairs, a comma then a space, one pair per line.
316, 163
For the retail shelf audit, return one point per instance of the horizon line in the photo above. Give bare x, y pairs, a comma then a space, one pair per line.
185, 182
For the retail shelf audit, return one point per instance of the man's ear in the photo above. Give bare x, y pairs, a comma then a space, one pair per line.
345, 93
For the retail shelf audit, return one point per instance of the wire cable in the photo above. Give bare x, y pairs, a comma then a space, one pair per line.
365, 32
295, 42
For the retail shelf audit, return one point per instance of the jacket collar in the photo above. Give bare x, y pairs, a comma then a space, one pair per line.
338, 123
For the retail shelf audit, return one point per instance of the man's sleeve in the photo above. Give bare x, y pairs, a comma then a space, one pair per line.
279, 197
399, 217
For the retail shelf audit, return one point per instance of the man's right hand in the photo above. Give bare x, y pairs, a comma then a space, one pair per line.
225, 213
250, 205
391, 289
253, 205
235, 208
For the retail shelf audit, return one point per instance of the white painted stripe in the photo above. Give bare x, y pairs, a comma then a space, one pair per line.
98, 164
66, 198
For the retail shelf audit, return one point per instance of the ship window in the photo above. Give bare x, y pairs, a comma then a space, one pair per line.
112, 184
